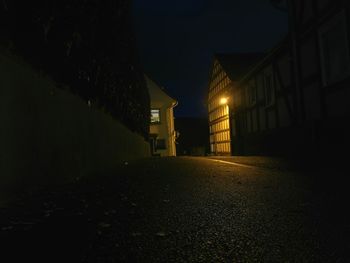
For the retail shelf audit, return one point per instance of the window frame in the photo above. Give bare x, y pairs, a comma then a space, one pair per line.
272, 101
158, 140
324, 28
252, 94
159, 112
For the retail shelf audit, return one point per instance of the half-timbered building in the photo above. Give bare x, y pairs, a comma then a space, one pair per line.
320, 32
295, 100
226, 71
263, 116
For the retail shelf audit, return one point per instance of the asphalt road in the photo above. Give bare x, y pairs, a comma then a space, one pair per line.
180, 210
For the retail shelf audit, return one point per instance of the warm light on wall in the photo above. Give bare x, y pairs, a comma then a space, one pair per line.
223, 101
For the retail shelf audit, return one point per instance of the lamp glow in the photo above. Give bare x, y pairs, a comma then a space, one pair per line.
223, 101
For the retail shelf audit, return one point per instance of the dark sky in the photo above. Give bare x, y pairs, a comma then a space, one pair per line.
176, 41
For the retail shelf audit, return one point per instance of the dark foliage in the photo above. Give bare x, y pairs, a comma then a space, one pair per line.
87, 45
194, 133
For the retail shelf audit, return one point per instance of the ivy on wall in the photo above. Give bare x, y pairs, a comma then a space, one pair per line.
87, 45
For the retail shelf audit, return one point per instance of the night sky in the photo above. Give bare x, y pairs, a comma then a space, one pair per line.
177, 39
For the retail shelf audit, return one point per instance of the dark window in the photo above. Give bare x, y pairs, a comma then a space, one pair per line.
334, 47
251, 94
161, 144
155, 116
269, 91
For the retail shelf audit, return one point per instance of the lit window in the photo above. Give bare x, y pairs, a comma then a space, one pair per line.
334, 49
155, 116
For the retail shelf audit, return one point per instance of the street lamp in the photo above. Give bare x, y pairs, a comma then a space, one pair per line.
223, 101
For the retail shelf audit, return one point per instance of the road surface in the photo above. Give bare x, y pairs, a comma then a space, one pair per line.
185, 209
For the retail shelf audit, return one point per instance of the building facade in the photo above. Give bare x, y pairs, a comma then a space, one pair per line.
265, 107
225, 72
294, 100
162, 129
219, 126
320, 32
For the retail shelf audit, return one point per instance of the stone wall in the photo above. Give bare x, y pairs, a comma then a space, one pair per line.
48, 135
86, 45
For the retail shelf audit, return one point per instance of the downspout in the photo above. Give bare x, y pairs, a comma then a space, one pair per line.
295, 61
173, 132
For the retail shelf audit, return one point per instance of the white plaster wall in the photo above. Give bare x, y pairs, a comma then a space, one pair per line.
162, 128
165, 129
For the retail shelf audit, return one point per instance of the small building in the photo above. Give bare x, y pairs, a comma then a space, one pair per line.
162, 129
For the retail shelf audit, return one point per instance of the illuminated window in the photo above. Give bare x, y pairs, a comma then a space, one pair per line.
155, 116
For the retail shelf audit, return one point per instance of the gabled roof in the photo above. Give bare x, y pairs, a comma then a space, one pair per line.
236, 65
158, 93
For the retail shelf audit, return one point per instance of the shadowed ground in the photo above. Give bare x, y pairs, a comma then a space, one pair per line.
183, 210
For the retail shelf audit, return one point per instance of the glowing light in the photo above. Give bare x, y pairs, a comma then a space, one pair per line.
223, 101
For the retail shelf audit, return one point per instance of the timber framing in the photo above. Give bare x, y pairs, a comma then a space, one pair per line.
307, 108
